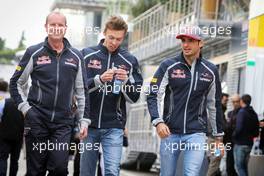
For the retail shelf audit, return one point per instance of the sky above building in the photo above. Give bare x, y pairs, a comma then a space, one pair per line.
17, 16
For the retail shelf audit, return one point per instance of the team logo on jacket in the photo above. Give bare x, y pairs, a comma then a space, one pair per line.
178, 73
206, 77
94, 63
123, 67
71, 61
154, 80
43, 60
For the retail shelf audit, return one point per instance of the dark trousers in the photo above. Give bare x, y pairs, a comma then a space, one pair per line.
47, 145
12, 148
99, 167
76, 164
230, 163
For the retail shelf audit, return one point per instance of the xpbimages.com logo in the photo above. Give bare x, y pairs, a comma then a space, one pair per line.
60, 146
147, 89
203, 31
61, 30
182, 146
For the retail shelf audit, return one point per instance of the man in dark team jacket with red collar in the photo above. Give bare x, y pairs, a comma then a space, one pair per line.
192, 93
57, 74
106, 63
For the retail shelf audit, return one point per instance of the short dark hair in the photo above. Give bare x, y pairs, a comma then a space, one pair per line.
246, 99
3, 85
116, 23
225, 95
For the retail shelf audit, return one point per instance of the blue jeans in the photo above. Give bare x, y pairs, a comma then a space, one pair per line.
191, 144
112, 142
241, 157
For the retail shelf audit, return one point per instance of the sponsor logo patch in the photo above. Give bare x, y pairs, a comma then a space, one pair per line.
18, 68
178, 73
206, 77
43, 60
94, 63
123, 67
154, 80
71, 61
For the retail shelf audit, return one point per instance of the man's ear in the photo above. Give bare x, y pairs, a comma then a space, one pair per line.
201, 43
45, 25
65, 28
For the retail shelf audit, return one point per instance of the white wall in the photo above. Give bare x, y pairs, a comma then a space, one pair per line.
6, 71
256, 8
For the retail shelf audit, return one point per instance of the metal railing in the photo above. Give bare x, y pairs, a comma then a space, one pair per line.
141, 134
154, 31
159, 40
85, 5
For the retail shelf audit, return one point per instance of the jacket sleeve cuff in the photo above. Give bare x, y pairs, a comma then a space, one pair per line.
125, 81
97, 81
85, 122
24, 107
157, 121
2, 106
218, 135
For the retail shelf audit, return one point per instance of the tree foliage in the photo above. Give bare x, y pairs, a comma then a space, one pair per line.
2, 44
143, 5
21, 45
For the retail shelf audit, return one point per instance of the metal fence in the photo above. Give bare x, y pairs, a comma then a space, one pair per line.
141, 134
154, 31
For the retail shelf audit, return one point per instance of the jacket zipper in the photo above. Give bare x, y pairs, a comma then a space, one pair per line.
118, 109
57, 85
201, 106
39, 92
196, 79
167, 120
189, 94
102, 101
201, 112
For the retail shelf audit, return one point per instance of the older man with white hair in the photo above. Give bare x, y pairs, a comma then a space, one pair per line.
57, 73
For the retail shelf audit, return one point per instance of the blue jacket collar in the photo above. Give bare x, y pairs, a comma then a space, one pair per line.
66, 43
182, 59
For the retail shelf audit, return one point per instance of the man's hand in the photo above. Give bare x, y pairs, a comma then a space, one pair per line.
107, 76
163, 130
83, 133
24, 114
219, 145
126, 132
121, 74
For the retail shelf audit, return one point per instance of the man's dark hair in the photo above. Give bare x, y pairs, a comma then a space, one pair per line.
225, 95
246, 99
116, 23
3, 86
